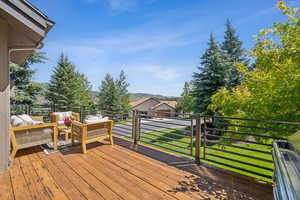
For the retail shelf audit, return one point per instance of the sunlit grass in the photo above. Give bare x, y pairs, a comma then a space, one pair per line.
186, 148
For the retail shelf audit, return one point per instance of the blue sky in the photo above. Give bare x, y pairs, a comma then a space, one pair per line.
156, 42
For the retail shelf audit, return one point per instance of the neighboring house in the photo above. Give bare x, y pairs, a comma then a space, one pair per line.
159, 108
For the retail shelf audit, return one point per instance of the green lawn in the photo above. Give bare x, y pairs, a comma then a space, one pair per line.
183, 147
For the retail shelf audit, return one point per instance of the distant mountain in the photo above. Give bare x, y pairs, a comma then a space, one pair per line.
136, 96
133, 96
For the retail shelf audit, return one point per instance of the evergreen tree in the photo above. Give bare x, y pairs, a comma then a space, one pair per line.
211, 78
108, 96
122, 87
24, 90
67, 87
84, 96
185, 104
234, 53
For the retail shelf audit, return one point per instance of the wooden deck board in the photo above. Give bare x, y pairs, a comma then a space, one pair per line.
116, 172
65, 184
88, 191
153, 177
19, 185
52, 188
35, 186
6, 187
133, 183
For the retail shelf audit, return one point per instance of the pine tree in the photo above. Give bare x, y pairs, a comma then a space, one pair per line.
212, 76
185, 104
234, 53
84, 96
108, 96
67, 87
24, 90
122, 87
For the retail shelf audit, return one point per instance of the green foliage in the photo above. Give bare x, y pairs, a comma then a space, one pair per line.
185, 104
113, 95
271, 90
210, 78
234, 53
68, 87
24, 90
122, 86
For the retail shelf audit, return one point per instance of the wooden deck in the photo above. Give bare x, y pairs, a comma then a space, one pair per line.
119, 172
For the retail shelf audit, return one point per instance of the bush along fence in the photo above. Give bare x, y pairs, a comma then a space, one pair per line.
237, 144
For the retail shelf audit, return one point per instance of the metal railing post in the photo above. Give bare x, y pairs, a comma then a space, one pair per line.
198, 139
133, 128
82, 113
204, 138
192, 134
137, 127
54, 107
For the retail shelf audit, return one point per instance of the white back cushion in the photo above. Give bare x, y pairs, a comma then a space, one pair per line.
63, 115
27, 119
16, 121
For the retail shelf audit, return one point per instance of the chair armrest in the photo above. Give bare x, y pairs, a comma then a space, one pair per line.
38, 126
76, 116
99, 125
38, 118
78, 124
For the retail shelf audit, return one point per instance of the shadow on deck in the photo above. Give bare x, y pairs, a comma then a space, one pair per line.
208, 179
122, 171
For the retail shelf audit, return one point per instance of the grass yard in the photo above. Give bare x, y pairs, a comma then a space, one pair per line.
167, 140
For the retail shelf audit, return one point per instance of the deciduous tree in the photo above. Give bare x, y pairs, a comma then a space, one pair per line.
271, 90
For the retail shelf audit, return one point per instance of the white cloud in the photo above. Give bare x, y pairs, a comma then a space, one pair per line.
162, 73
122, 5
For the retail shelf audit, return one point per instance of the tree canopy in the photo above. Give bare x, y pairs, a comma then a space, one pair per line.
234, 53
211, 76
24, 90
185, 103
68, 87
271, 90
113, 95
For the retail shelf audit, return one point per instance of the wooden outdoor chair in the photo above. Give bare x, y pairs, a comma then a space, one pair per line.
60, 121
28, 136
92, 132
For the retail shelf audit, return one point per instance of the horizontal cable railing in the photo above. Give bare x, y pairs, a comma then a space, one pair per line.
166, 130
242, 145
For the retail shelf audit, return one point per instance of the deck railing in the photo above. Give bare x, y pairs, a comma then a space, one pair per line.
237, 144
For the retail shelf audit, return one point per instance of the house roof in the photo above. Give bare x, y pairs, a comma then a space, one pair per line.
141, 100
171, 104
28, 26
144, 99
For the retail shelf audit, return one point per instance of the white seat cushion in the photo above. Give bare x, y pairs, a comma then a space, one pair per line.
37, 122
95, 120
